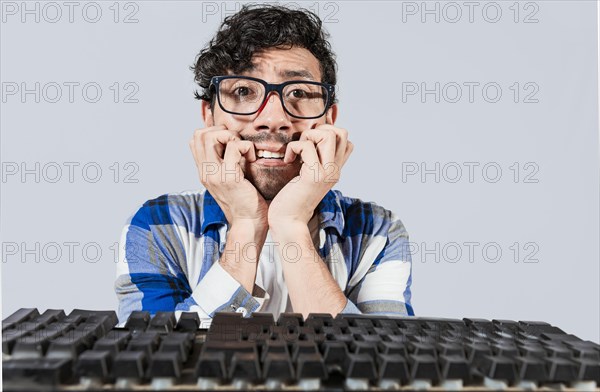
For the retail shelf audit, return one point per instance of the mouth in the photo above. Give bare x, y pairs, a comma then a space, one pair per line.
270, 155
266, 154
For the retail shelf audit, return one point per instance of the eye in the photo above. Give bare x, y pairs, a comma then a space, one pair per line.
242, 91
298, 93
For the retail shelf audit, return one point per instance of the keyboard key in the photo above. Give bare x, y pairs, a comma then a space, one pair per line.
531, 369
74, 320
392, 348
68, 346
505, 350
454, 367
424, 367
138, 320
561, 370
586, 352
211, 364
334, 352
188, 322
10, 338
304, 347
19, 316
165, 364
229, 348
559, 351
130, 364
450, 349
278, 366
499, 368
393, 366
39, 371
94, 364
178, 342
32, 346
422, 349
108, 318
362, 347
163, 322
319, 320
245, 366
589, 369
360, 366
531, 350
55, 330
288, 319
476, 352
113, 343
94, 330
148, 342
311, 366
50, 316
274, 347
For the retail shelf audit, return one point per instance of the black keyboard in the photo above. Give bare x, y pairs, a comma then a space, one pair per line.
86, 351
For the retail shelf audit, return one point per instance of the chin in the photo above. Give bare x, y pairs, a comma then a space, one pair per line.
269, 181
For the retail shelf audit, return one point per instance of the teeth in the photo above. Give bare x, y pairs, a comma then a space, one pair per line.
269, 154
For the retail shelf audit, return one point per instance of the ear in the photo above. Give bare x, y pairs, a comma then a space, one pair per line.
331, 114
207, 115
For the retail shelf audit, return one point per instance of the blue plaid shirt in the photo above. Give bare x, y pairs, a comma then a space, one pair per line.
169, 252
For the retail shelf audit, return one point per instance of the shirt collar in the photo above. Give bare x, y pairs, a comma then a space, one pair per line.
329, 211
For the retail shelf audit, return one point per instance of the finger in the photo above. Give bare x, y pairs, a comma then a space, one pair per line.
305, 149
197, 143
341, 144
325, 141
214, 143
238, 148
349, 149
234, 151
341, 141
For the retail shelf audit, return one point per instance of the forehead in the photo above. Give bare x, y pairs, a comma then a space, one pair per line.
284, 64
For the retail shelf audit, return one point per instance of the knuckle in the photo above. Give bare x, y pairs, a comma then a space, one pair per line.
199, 132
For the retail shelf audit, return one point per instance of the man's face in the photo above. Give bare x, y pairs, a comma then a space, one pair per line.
271, 128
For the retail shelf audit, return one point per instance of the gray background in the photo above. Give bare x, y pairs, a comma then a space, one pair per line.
549, 213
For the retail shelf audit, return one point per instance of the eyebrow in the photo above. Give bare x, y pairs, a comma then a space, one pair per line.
288, 73
303, 73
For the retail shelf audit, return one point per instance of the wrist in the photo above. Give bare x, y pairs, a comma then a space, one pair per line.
249, 227
287, 226
243, 242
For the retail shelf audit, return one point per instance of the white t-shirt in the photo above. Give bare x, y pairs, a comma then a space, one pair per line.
269, 274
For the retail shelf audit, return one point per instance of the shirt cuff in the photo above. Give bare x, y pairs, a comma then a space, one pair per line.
218, 291
350, 308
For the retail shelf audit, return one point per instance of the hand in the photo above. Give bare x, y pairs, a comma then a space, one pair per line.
324, 150
218, 152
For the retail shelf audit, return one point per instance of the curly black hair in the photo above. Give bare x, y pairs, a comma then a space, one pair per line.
255, 28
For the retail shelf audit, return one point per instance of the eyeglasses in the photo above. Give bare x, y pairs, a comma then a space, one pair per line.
245, 95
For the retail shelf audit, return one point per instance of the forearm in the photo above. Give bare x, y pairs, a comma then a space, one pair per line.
242, 250
311, 286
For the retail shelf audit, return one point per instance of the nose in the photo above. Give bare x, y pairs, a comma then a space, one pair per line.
271, 116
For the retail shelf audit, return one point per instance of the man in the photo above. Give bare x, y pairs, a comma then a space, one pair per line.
268, 234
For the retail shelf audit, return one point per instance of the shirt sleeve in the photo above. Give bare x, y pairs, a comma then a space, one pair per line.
152, 272
385, 287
